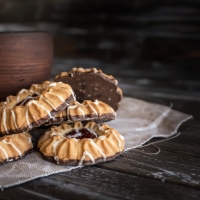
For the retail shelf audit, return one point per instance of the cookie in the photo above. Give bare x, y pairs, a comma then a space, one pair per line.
80, 144
87, 111
92, 84
32, 108
14, 147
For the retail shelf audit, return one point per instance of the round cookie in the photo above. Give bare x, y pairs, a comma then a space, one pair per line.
14, 147
92, 84
32, 108
80, 144
87, 111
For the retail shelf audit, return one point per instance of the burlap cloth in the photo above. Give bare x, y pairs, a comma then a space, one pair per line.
138, 121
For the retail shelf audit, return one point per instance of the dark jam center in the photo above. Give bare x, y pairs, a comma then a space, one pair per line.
25, 101
81, 133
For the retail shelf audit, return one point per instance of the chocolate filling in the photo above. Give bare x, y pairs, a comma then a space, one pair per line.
81, 133
98, 119
27, 99
92, 86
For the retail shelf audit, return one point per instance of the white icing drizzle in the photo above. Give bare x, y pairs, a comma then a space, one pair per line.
74, 97
122, 137
96, 102
54, 145
19, 152
18, 98
54, 133
119, 142
94, 70
29, 140
101, 128
71, 74
83, 157
22, 91
42, 108
31, 91
102, 137
4, 120
27, 98
5, 153
48, 102
59, 98
7, 99
14, 119
83, 113
99, 149
52, 84
26, 116
76, 140
68, 109
93, 109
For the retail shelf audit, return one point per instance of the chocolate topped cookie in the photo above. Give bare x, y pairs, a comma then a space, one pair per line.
87, 111
14, 147
92, 84
32, 108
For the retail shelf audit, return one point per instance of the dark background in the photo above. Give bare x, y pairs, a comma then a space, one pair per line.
138, 33
152, 40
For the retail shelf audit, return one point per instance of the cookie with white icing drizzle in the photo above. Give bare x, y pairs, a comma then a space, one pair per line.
97, 111
80, 144
14, 147
32, 108
92, 84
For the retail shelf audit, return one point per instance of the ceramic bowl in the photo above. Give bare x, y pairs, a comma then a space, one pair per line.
25, 58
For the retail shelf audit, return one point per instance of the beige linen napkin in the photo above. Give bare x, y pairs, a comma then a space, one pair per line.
138, 121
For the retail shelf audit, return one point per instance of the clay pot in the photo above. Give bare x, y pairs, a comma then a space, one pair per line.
25, 58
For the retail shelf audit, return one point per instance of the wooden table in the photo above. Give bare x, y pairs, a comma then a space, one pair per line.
174, 173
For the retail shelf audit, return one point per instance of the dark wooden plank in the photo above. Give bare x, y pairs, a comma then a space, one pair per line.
125, 186
178, 162
48, 188
92, 182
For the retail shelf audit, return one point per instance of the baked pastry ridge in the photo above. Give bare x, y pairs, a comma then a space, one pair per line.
92, 84
97, 111
33, 107
79, 144
14, 147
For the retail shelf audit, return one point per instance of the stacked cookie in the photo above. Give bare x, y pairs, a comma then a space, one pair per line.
74, 105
